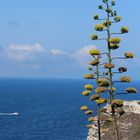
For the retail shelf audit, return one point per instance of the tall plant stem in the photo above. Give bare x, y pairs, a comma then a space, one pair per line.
98, 121
98, 108
110, 76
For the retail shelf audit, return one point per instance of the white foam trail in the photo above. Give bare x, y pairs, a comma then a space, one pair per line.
9, 114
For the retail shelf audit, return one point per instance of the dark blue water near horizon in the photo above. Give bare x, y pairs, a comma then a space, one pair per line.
48, 109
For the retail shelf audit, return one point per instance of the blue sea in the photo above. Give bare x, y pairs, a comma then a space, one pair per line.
48, 109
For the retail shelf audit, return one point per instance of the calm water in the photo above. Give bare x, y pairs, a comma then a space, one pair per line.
49, 109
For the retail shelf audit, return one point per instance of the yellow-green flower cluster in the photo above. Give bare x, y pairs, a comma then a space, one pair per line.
107, 23
129, 55
100, 7
94, 52
90, 68
115, 40
103, 82
131, 90
95, 62
86, 92
94, 97
101, 101
122, 69
84, 108
108, 10
109, 66
91, 119
100, 90
117, 18
114, 43
89, 112
96, 17
124, 30
114, 46
94, 37
117, 102
88, 87
99, 27
125, 79
89, 76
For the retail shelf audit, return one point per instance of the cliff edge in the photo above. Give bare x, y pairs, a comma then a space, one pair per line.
128, 124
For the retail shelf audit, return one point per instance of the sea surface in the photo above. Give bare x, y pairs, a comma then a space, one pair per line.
48, 109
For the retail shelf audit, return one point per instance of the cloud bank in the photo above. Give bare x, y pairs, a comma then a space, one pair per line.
38, 60
31, 52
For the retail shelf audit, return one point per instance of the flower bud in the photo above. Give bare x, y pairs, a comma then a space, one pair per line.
101, 101
88, 87
129, 55
95, 62
100, 90
94, 52
131, 90
83, 108
94, 37
96, 17
124, 30
94, 97
125, 79
89, 112
99, 27
86, 92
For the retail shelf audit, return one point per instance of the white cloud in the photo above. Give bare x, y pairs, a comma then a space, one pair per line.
58, 52
82, 55
22, 52
36, 48
25, 52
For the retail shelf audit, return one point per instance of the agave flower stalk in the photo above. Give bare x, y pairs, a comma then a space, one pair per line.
96, 96
113, 43
95, 54
110, 73
104, 78
98, 107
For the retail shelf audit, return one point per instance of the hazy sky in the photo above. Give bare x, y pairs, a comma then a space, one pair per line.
51, 38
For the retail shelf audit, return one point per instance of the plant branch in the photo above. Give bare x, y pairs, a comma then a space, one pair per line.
102, 39
103, 30
118, 58
104, 53
115, 33
120, 93
102, 19
117, 72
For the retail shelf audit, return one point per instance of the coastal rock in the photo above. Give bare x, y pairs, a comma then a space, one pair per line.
128, 124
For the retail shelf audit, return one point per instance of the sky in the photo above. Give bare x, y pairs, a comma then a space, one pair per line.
51, 39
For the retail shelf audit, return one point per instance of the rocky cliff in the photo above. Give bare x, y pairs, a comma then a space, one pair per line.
128, 124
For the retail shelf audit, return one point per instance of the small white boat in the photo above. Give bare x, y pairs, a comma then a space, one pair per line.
9, 114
